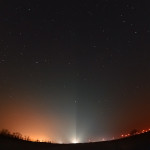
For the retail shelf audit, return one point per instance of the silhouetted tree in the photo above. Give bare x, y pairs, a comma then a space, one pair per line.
5, 132
17, 135
37, 141
27, 138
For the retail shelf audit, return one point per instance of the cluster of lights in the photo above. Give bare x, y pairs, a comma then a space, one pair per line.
75, 141
97, 140
127, 135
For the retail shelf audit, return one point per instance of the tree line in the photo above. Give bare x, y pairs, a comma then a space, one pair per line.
16, 135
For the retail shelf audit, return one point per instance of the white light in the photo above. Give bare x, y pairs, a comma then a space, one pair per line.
75, 141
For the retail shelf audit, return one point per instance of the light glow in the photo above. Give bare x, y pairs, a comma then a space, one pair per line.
75, 141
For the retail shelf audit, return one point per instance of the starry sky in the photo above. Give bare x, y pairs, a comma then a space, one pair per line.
74, 69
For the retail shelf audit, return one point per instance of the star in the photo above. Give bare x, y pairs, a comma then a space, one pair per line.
29, 9
21, 53
123, 21
69, 63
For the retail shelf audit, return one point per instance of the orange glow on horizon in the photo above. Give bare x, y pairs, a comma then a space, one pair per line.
31, 120
27, 120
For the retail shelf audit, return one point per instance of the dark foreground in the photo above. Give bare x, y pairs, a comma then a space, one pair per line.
137, 142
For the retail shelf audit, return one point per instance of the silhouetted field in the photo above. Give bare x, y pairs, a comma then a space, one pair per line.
137, 142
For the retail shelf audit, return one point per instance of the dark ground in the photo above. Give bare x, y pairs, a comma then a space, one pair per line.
137, 142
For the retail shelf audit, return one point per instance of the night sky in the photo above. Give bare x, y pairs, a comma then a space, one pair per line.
74, 69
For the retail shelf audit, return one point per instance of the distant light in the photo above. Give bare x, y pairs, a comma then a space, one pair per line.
60, 142
75, 141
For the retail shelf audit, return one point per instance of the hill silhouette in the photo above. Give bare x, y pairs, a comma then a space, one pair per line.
136, 142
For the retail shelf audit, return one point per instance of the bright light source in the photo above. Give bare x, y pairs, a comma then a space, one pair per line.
75, 141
